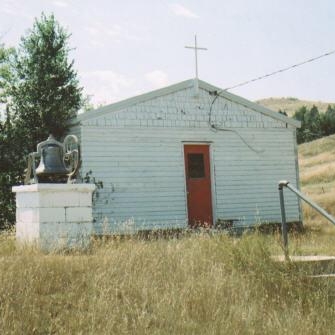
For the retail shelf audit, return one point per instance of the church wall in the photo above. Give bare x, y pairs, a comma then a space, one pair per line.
138, 155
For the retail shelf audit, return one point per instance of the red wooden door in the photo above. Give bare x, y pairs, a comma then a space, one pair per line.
198, 185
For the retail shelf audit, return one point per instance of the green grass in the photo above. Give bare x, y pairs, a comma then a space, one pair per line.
192, 285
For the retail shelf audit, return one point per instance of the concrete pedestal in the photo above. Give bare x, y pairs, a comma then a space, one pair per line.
54, 216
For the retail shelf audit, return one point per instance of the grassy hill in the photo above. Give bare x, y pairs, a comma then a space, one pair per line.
290, 105
317, 176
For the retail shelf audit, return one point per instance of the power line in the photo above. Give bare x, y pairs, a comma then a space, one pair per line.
217, 94
280, 71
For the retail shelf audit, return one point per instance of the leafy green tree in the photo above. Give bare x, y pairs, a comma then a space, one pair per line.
9, 143
41, 92
46, 93
12, 165
5, 72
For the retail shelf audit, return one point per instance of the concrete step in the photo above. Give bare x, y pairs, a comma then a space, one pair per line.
320, 266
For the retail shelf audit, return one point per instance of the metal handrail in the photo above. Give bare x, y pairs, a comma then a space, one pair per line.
281, 185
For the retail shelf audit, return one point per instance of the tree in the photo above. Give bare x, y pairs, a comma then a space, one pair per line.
5, 72
311, 124
300, 116
45, 93
9, 142
11, 168
41, 92
328, 121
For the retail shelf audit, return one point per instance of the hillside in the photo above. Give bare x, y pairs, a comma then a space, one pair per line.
290, 105
317, 177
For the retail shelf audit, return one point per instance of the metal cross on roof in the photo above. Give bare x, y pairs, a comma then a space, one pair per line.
196, 48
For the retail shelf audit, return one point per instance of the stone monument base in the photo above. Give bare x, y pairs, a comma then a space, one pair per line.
54, 216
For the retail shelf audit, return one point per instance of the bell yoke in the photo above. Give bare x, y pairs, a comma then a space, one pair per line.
59, 162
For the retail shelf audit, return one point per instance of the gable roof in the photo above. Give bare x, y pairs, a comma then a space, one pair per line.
180, 86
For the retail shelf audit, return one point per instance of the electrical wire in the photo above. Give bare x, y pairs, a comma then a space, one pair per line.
217, 94
216, 128
280, 71
257, 151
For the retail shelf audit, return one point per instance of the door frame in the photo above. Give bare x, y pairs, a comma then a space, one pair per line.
212, 172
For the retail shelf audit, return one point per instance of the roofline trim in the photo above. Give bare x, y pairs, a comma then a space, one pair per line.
117, 106
134, 100
249, 104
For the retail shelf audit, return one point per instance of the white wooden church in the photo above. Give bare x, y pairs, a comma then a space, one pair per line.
188, 155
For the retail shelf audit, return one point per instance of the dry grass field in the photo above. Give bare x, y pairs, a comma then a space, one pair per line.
193, 284
290, 105
317, 175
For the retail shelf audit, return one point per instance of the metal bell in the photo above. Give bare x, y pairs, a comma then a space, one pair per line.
58, 161
51, 163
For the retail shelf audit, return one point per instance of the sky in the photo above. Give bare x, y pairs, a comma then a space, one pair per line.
125, 48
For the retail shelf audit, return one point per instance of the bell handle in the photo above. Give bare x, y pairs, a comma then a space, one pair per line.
69, 141
72, 153
73, 156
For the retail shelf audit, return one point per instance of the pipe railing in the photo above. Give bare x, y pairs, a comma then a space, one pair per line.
281, 185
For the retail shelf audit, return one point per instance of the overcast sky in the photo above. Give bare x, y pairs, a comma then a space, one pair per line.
124, 48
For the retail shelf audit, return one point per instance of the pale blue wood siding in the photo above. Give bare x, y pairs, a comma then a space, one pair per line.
137, 153
246, 181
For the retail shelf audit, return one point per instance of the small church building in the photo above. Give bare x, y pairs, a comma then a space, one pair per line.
187, 155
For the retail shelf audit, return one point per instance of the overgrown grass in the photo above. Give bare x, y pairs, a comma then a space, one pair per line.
192, 285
